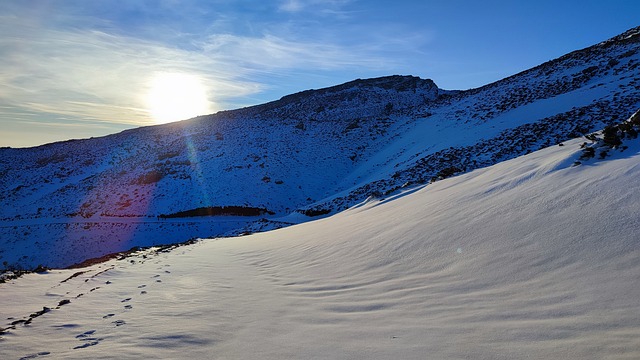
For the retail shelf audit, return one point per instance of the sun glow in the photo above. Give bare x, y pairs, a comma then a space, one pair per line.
176, 96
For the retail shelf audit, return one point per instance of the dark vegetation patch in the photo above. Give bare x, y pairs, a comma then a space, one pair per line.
11, 273
126, 254
150, 177
51, 159
168, 155
314, 212
118, 255
611, 138
72, 276
219, 211
446, 172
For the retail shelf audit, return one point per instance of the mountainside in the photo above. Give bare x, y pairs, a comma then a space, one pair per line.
314, 153
533, 258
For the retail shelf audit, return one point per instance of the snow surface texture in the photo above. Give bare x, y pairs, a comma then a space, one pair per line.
315, 152
533, 258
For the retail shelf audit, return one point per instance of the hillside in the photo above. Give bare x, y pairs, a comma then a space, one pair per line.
536, 257
317, 152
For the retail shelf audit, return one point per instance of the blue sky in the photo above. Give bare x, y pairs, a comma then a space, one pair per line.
77, 68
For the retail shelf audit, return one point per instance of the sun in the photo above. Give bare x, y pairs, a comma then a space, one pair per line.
176, 96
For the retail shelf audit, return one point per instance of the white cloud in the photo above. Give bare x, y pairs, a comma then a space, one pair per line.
270, 52
68, 69
97, 76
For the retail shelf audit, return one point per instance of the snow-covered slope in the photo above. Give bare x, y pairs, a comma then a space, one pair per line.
315, 152
533, 258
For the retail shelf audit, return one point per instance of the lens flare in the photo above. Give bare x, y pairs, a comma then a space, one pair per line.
203, 187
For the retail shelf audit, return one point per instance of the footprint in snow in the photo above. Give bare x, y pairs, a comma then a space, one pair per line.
141, 286
33, 356
87, 339
108, 316
66, 326
125, 300
128, 307
85, 345
85, 334
119, 322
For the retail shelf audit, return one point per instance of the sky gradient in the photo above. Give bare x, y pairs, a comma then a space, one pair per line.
77, 68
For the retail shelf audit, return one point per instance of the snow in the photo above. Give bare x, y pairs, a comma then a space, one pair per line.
534, 257
315, 152
530, 258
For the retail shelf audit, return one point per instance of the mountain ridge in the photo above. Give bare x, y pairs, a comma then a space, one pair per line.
313, 152
530, 258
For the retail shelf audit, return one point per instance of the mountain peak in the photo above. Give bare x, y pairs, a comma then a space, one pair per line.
392, 82
399, 83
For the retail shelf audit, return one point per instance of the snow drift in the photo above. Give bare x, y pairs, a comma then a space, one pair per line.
532, 258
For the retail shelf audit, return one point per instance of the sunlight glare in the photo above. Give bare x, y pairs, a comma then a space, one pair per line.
176, 96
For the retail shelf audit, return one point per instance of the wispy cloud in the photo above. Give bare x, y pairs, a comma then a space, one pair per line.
95, 63
98, 75
291, 6
104, 77
93, 76
272, 52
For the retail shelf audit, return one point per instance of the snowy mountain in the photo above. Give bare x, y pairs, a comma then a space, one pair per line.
536, 257
314, 153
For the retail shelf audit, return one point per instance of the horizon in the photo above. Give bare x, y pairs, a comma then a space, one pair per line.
77, 70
